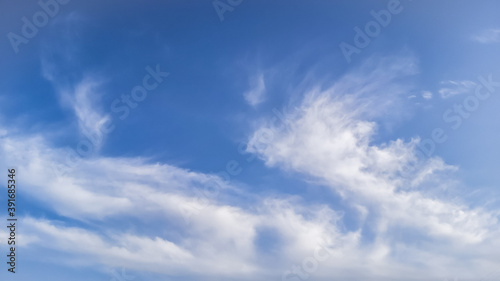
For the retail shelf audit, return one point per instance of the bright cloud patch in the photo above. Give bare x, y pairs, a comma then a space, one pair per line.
256, 94
329, 137
427, 95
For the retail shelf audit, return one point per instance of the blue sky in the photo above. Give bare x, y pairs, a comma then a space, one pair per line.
239, 140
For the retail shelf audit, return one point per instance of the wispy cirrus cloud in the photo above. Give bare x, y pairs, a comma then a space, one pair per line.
84, 99
77, 90
451, 88
488, 36
257, 92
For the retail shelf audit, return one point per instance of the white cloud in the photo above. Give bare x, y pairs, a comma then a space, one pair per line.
83, 98
256, 94
78, 91
330, 138
427, 95
86, 104
451, 88
488, 36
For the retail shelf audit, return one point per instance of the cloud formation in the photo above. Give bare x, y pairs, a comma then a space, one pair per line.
331, 140
256, 94
451, 88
